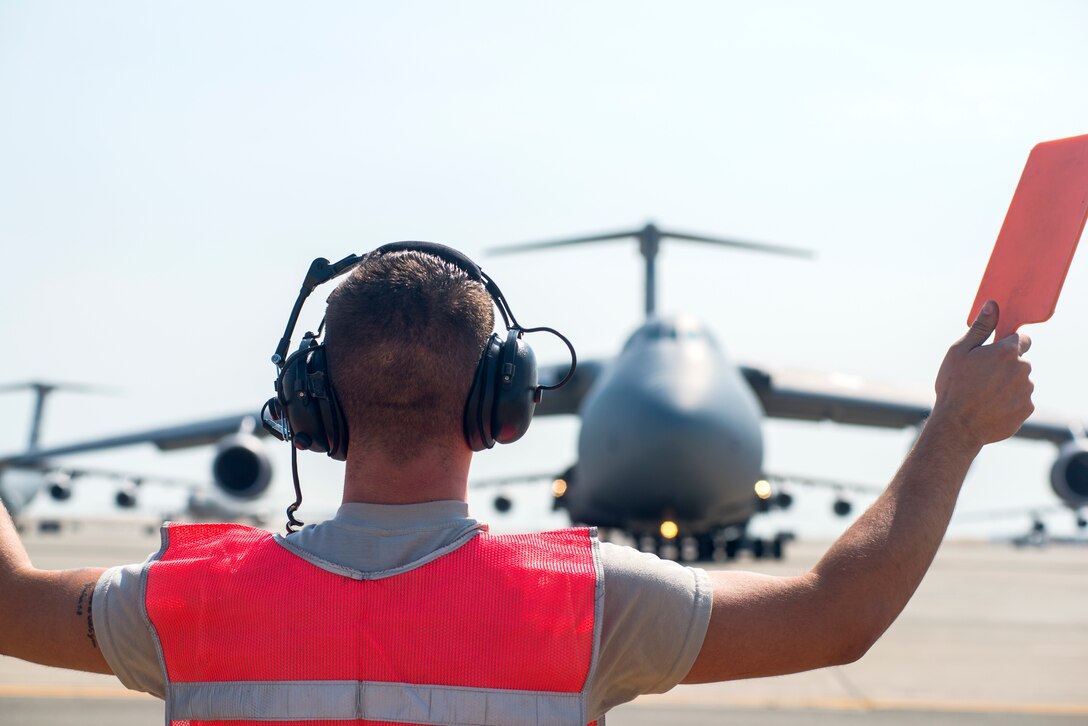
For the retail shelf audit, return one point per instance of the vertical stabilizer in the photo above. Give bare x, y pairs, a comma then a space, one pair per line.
42, 391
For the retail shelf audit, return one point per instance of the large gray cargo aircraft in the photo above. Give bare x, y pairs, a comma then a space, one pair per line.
671, 443
670, 446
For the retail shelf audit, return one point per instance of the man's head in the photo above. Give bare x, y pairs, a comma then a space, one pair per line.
404, 334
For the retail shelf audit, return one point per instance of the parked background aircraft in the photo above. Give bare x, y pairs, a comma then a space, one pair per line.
239, 475
154, 200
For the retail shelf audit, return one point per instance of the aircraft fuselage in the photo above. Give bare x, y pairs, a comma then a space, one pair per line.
670, 432
18, 487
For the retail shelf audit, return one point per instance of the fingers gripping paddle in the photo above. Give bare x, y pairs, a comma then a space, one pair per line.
1039, 236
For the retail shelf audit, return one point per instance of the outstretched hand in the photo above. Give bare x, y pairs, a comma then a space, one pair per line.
984, 391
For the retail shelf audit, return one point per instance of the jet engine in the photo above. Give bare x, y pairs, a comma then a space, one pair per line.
1069, 476
59, 486
126, 497
241, 468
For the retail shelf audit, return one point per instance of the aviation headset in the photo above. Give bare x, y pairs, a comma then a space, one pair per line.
305, 410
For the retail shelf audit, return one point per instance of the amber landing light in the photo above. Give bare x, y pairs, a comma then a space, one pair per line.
669, 530
559, 488
763, 489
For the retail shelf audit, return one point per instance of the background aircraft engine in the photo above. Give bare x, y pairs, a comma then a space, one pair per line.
126, 497
241, 468
59, 486
1069, 476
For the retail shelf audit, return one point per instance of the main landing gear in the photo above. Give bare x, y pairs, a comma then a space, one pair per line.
711, 547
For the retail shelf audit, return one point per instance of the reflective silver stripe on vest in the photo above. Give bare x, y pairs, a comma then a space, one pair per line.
347, 700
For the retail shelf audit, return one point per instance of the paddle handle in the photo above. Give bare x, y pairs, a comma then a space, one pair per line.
1004, 329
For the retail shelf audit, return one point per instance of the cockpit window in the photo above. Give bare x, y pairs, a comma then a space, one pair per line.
661, 331
680, 329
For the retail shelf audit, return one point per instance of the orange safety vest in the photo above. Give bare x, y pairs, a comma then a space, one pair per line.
495, 630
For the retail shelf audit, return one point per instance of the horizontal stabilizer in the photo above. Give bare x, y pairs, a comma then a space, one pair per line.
649, 241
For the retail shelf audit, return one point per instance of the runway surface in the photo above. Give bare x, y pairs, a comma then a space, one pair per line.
996, 635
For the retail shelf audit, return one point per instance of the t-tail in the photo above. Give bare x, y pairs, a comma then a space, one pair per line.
42, 391
649, 241
20, 484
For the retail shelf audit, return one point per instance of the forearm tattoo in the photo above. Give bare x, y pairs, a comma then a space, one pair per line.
87, 594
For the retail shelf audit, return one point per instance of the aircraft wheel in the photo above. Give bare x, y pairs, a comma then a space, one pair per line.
668, 549
704, 544
50, 526
778, 547
758, 548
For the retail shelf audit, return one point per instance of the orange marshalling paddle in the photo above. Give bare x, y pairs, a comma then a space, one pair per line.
1039, 236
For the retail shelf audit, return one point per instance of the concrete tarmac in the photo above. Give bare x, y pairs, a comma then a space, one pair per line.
996, 635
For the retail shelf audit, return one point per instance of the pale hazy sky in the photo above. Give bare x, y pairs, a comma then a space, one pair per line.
167, 171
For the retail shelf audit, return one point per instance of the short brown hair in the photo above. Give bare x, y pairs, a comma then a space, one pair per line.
404, 334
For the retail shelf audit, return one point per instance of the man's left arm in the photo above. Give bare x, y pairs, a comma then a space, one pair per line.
46, 615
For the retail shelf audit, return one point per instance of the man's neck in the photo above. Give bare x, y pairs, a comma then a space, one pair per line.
429, 475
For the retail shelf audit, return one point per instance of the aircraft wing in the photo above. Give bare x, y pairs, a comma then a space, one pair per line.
82, 472
567, 399
512, 479
197, 433
850, 400
838, 485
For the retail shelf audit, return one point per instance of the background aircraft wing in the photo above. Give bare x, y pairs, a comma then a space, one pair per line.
850, 400
567, 399
197, 433
83, 472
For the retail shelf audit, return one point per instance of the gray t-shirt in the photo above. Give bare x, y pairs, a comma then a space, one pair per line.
655, 612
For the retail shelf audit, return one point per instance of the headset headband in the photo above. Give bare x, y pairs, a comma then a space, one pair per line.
322, 271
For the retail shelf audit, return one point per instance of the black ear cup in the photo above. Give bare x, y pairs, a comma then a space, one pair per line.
308, 402
515, 397
477, 419
502, 399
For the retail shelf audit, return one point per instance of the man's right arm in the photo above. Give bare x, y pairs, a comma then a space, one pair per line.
763, 626
46, 615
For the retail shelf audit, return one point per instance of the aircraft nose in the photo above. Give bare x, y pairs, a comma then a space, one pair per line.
667, 451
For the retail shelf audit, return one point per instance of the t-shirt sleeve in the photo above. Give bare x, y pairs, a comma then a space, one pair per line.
655, 617
123, 631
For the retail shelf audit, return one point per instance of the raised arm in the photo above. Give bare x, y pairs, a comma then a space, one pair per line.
763, 626
46, 614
